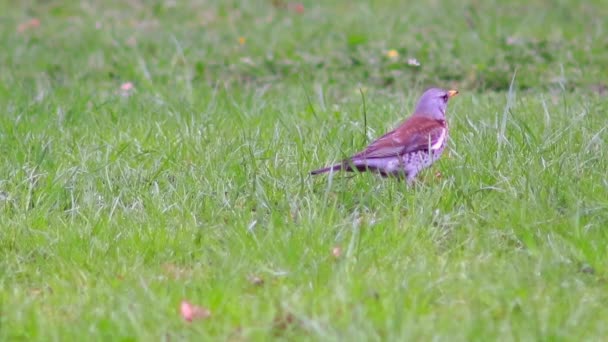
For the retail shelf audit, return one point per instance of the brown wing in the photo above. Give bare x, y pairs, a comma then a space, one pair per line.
416, 133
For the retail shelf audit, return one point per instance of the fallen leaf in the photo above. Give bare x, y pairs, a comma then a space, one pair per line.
278, 3
587, 269
126, 86
413, 62
30, 24
283, 322
192, 312
255, 280
247, 60
37, 291
175, 272
297, 7
126, 89
392, 54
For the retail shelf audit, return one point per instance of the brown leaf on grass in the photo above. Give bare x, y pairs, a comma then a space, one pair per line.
413, 62
126, 89
191, 312
283, 322
247, 60
585, 268
297, 7
278, 3
392, 54
40, 291
174, 271
126, 86
255, 280
336, 252
27, 25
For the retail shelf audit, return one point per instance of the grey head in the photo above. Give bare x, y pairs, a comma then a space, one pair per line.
434, 102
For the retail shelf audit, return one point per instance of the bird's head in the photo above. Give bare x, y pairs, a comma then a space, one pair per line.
434, 102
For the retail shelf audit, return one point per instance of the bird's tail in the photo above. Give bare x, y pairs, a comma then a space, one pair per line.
336, 167
347, 165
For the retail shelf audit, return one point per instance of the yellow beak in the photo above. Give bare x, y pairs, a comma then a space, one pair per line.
452, 93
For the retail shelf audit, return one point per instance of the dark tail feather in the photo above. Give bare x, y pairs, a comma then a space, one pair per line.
336, 167
346, 166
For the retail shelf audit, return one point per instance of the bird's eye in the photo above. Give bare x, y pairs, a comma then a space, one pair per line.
445, 97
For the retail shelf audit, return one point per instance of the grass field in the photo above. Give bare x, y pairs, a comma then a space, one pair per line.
117, 204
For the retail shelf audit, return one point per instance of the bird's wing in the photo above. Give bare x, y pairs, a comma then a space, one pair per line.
415, 134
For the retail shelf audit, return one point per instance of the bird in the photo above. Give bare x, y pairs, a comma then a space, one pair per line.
411, 147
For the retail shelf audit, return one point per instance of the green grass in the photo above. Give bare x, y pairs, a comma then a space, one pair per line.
115, 208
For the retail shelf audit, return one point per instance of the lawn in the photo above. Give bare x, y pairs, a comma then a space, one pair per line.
154, 152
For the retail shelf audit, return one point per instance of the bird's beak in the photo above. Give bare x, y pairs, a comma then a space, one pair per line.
452, 93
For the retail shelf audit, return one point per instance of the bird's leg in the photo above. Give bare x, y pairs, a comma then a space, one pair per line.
411, 177
400, 173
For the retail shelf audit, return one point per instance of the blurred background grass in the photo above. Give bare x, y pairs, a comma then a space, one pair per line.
475, 44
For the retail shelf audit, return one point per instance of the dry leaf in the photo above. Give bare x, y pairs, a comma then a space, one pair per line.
192, 312
30, 24
283, 322
297, 7
336, 252
255, 280
126, 89
392, 54
413, 62
175, 272
126, 86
